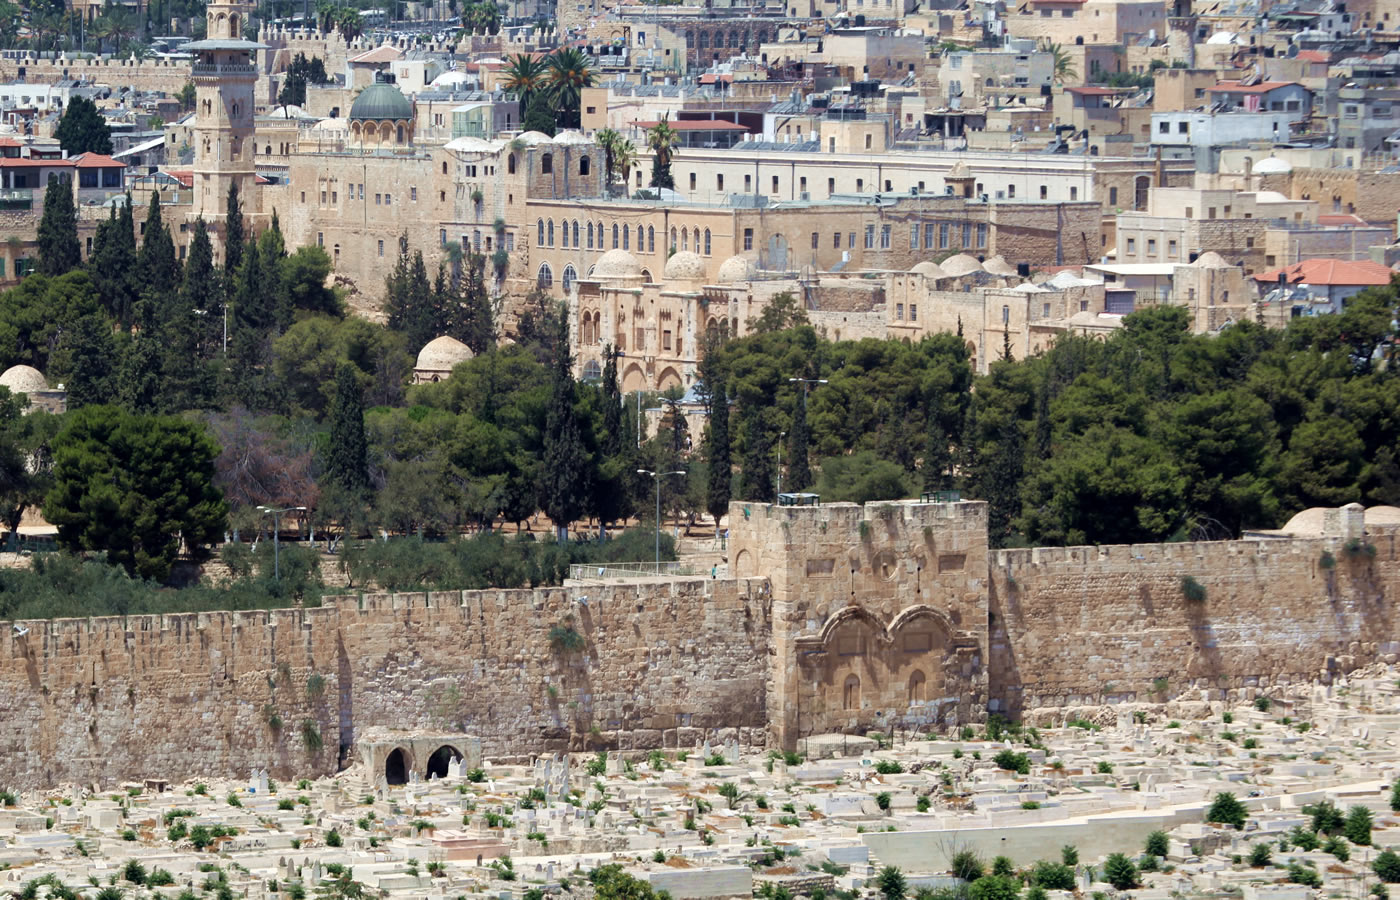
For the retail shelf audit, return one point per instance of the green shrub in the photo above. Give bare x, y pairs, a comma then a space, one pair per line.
1193, 590
1069, 855
310, 735
1326, 817
333, 838
1053, 876
994, 887
1225, 809
967, 865
1386, 865
1327, 560
1262, 703
1338, 848
1030, 804
315, 686
1304, 876
1303, 839
888, 767
1012, 761
1260, 855
1104, 767
564, 638
1358, 826
1156, 844
882, 800
1120, 872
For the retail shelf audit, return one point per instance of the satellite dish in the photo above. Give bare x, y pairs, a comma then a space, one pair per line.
20, 632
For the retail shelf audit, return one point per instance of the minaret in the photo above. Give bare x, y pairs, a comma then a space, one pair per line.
224, 78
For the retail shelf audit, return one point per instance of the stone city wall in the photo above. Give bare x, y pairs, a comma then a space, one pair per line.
206, 694
1085, 626
168, 76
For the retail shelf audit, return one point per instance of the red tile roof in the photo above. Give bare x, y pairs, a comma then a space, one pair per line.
1263, 87
1343, 219
97, 161
1330, 271
1313, 56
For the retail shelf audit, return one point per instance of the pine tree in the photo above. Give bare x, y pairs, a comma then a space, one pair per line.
1005, 343
234, 237
799, 470
156, 265
717, 452
1001, 482
757, 478
566, 473
347, 463
112, 261
59, 251
82, 129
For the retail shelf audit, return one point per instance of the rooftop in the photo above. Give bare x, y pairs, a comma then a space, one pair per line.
1330, 271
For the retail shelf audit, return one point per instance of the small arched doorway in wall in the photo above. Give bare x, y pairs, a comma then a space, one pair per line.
442, 757
396, 767
918, 688
850, 693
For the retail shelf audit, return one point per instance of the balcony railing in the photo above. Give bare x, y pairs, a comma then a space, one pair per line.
220, 70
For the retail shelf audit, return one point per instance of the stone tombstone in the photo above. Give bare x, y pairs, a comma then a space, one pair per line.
705, 751
614, 764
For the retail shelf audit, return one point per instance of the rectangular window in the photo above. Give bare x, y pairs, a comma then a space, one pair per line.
378, 199
1183, 127
320, 239
885, 236
928, 235
869, 237
836, 241
913, 312
1074, 193
830, 186
692, 181
967, 234
323, 198
748, 184
666, 340
775, 184
942, 235
1044, 192
1171, 249
1151, 247
381, 248
1164, 127
899, 312
748, 238
413, 194
981, 234
914, 236
719, 182
802, 184
335, 198
816, 236
851, 240
388, 198
1132, 246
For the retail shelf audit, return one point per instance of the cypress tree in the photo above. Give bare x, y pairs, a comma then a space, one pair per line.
717, 491
612, 405
347, 463
799, 471
937, 457
478, 320
156, 265
94, 362
234, 237
566, 476
59, 251
139, 381
757, 478
188, 326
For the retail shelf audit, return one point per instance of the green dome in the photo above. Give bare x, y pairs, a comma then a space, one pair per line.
380, 102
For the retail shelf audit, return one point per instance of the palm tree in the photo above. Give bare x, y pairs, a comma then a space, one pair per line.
625, 158
47, 28
9, 22
662, 140
524, 76
116, 27
325, 16
569, 74
348, 23
1063, 65
607, 141
485, 16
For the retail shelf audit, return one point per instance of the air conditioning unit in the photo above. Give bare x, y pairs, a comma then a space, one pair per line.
804, 195
984, 198
948, 190
1001, 195
914, 191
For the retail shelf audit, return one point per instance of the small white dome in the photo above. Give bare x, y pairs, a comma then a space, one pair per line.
733, 270
1272, 166
960, 265
451, 79
572, 137
23, 380
1270, 197
929, 269
617, 264
684, 266
442, 353
998, 265
470, 144
1211, 260
531, 138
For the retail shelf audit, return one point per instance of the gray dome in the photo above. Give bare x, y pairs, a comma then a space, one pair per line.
381, 102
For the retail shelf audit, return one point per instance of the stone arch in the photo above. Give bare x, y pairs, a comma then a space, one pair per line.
668, 378
850, 693
585, 165
545, 277
569, 277
906, 617
396, 766
592, 371
646, 277
743, 565
634, 379
441, 758
847, 614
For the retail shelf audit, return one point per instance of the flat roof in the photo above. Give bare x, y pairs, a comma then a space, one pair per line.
1133, 268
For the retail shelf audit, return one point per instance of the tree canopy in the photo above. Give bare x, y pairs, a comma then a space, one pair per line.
82, 129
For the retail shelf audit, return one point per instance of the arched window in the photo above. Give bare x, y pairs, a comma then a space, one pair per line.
539, 227
592, 371
673, 240
695, 237
850, 693
267, 151
550, 232
575, 234
626, 234
651, 239
444, 168
584, 166
590, 235
570, 276
546, 277
563, 234
918, 687
614, 246
400, 135
547, 164
640, 245
707, 242
510, 165
685, 239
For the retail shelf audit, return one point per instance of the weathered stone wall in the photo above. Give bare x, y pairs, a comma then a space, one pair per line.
1092, 625
188, 695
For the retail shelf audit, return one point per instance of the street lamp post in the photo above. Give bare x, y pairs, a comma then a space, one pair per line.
806, 383
778, 460
276, 534
656, 476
